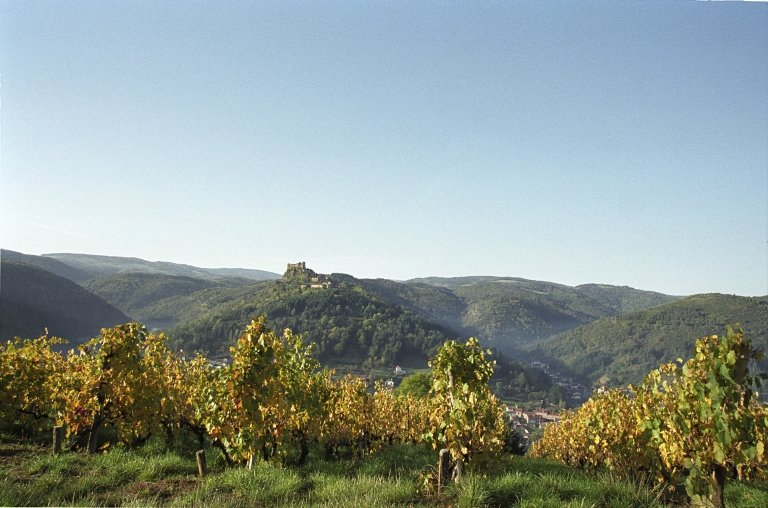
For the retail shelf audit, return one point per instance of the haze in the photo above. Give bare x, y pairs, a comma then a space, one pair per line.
618, 143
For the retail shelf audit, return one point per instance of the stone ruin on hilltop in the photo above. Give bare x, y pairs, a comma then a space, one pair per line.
305, 277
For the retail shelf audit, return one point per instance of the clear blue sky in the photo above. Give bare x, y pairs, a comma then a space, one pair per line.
610, 142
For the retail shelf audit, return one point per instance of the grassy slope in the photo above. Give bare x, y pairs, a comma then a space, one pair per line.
158, 476
33, 298
626, 347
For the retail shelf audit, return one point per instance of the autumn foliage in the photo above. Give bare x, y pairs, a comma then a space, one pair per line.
688, 425
270, 401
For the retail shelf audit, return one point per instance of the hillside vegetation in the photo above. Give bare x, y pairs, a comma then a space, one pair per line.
509, 313
50, 264
98, 266
132, 292
622, 349
181, 309
504, 312
33, 299
346, 323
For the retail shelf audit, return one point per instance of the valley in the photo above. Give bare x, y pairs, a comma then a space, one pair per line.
597, 335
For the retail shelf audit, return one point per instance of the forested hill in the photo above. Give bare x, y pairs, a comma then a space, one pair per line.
507, 312
622, 349
352, 329
624, 298
435, 303
348, 325
33, 299
99, 266
52, 265
133, 292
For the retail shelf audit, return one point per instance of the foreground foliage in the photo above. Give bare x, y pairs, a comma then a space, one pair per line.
690, 424
269, 403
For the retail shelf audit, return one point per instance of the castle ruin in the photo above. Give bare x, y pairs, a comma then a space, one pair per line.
306, 277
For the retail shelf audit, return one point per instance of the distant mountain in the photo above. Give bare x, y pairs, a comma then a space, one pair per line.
454, 282
33, 299
507, 312
623, 348
624, 298
132, 292
46, 263
99, 266
504, 312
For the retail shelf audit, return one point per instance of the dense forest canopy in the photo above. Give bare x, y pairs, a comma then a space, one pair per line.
621, 349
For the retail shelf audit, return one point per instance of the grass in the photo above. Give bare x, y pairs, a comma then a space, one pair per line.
160, 475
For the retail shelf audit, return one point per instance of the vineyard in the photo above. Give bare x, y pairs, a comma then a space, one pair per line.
689, 425
271, 412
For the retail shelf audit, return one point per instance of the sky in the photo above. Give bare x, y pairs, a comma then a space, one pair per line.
604, 142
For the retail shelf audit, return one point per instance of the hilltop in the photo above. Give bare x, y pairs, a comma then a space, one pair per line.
347, 323
98, 266
52, 265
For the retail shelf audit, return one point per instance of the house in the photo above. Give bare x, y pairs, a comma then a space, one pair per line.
218, 364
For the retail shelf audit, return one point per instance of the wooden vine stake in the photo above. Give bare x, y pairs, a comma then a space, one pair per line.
201, 467
443, 470
58, 433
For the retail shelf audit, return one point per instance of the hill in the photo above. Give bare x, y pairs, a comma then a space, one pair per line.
453, 282
338, 313
49, 264
622, 349
348, 324
33, 299
624, 298
181, 309
99, 266
509, 313
132, 292
353, 329
435, 303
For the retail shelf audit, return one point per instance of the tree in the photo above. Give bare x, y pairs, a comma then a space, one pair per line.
417, 385
556, 394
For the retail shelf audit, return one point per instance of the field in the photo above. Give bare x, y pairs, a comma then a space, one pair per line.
157, 474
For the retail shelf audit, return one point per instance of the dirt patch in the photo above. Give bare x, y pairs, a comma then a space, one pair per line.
161, 491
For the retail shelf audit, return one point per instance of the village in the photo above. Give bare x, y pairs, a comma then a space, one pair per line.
577, 393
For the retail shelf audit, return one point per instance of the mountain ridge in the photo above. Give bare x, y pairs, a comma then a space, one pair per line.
34, 299
621, 349
99, 266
